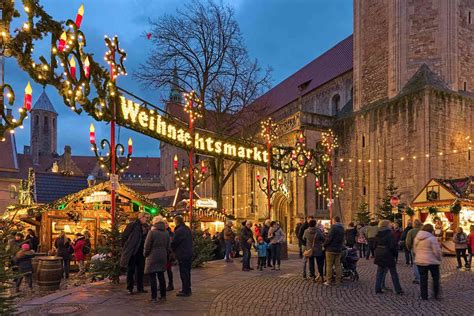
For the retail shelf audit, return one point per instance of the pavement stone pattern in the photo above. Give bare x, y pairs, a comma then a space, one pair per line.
223, 289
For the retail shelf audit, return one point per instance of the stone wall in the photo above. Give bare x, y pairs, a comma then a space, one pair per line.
465, 45
412, 139
370, 51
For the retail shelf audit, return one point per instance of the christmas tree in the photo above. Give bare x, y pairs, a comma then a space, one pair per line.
7, 306
363, 213
107, 266
203, 247
385, 208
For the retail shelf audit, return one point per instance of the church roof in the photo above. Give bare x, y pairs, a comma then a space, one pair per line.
424, 77
331, 64
43, 103
8, 149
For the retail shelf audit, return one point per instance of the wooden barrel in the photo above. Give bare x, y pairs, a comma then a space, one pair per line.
35, 261
50, 272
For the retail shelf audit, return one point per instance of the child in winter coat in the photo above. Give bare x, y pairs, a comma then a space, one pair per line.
261, 248
25, 268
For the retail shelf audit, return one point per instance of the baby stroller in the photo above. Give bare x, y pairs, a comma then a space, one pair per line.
349, 258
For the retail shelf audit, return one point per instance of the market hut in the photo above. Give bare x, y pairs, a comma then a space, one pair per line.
88, 209
447, 204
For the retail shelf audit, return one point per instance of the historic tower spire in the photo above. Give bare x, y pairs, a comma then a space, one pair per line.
175, 93
43, 131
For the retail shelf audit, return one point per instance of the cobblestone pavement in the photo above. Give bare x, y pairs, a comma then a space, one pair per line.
222, 289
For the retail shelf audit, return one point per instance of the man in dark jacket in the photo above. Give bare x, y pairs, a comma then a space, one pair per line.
333, 246
246, 237
297, 233
182, 246
265, 230
385, 254
133, 240
408, 257
350, 233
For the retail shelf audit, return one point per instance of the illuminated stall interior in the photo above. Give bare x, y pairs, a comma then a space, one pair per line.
447, 204
86, 210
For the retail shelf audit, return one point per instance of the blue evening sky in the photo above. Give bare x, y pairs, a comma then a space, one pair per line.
283, 34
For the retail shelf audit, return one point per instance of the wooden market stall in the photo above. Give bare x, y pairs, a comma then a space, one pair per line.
86, 210
447, 204
205, 210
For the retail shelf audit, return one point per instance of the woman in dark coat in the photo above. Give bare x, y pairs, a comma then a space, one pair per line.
64, 250
385, 254
156, 250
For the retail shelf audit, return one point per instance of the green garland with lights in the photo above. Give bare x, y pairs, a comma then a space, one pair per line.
74, 90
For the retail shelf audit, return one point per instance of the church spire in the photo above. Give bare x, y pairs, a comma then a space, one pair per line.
175, 93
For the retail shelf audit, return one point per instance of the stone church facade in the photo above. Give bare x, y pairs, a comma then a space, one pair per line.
399, 94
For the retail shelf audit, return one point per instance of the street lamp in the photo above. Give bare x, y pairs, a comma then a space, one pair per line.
192, 106
268, 185
329, 190
182, 174
118, 152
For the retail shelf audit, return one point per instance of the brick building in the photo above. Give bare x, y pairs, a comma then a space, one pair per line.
399, 93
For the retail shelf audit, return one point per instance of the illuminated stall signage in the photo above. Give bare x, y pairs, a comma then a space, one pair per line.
149, 122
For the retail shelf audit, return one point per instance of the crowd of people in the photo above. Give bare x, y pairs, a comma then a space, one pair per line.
382, 241
152, 250
266, 239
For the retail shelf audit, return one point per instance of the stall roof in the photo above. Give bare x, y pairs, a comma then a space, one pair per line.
447, 192
50, 187
104, 186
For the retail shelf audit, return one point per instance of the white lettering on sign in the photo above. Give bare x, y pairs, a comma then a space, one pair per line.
97, 197
206, 203
147, 121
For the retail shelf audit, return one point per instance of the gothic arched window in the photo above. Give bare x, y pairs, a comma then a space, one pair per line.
46, 124
335, 104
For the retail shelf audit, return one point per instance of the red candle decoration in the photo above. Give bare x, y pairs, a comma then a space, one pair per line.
175, 162
27, 99
301, 137
62, 41
80, 14
317, 183
342, 182
87, 65
258, 175
130, 146
394, 201
203, 167
280, 180
92, 134
72, 67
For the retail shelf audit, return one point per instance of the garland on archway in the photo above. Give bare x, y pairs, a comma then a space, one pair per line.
79, 79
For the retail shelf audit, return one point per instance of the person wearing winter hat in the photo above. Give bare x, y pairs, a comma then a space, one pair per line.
25, 268
427, 258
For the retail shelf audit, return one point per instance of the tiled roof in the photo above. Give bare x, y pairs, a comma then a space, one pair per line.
331, 64
43, 103
8, 151
146, 167
424, 77
52, 186
459, 187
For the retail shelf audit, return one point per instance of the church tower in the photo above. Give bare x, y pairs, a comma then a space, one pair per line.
43, 128
394, 38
